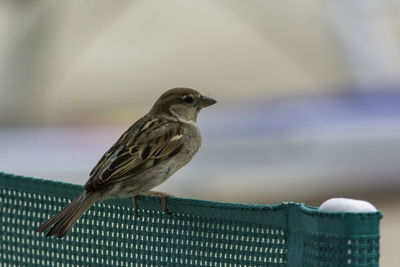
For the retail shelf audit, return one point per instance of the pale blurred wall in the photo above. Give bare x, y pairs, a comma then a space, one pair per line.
92, 60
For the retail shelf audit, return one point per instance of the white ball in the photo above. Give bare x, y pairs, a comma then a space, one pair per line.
346, 205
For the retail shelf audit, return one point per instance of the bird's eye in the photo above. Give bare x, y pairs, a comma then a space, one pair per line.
188, 99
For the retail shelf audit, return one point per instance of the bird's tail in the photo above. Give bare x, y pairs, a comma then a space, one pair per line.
64, 219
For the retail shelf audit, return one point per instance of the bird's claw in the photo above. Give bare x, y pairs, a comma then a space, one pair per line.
163, 196
135, 206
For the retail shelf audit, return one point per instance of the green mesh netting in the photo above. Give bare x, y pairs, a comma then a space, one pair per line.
199, 233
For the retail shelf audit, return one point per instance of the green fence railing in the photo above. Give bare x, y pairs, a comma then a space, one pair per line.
198, 233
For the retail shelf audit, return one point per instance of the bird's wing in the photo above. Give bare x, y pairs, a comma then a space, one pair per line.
147, 143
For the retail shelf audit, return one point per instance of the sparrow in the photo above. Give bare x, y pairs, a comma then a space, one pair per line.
146, 155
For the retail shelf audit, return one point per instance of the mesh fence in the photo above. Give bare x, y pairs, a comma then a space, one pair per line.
198, 233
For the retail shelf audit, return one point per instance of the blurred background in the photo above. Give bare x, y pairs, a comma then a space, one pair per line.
308, 94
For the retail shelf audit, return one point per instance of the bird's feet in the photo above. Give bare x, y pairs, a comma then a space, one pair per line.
135, 206
163, 197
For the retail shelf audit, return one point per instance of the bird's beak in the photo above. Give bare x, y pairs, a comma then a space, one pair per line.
205, 101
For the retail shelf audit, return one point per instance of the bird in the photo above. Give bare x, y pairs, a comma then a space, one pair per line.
146, 155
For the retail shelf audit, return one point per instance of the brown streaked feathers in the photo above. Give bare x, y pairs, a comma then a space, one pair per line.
128, 158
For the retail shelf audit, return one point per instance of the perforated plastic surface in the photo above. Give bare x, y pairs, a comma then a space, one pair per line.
199, 233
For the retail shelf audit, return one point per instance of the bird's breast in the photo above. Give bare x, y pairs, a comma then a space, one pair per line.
156, 175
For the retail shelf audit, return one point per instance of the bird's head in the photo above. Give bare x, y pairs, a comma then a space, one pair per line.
182, 103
